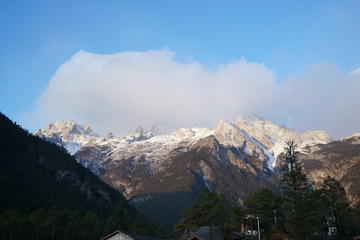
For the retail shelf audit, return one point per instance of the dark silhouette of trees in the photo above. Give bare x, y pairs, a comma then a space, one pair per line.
54, 223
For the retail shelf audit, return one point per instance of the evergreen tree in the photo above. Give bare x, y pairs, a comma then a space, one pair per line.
267, 205
337, 204
11, 223
163, 231
91, 228
355, 220
301, 215
142, 225
237, 218
37, 220
209, 209
117, 221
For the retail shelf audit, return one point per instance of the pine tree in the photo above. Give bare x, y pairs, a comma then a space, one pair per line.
267, 205
142, 225
336, 203
37, 220
91, 228
237, 218
209, 209
117, 221
355, 219
301, 216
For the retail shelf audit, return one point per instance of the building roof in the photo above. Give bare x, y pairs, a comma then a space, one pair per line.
203, 233
132, 236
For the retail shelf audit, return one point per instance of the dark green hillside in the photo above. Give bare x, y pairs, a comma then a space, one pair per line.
37, 174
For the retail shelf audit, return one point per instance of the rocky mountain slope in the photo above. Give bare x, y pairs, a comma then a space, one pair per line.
339, 159
151, 166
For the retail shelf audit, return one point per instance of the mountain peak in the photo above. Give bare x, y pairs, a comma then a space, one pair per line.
109, 135
228, 134
354, 138
355, 135
66, 131
139, 130
254, 117
159, 129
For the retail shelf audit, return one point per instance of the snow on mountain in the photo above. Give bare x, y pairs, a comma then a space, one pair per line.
151, 147
273, 137
230, 134
251, 135
143, 148
68, 134
352, 136
353, 139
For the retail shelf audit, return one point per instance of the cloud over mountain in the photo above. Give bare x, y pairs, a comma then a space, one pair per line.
118, 92
323, 97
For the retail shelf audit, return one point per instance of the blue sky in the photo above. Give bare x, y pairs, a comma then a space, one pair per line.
287, 37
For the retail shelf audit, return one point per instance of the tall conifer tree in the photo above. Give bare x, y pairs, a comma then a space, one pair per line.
337, 204
300, 213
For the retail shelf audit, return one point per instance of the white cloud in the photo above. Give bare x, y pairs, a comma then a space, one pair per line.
323, 97
118, 92
355, 72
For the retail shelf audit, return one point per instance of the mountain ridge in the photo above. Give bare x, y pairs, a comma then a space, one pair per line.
249, 129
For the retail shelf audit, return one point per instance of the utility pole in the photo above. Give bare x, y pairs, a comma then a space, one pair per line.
258, 222
275, 219
252, 233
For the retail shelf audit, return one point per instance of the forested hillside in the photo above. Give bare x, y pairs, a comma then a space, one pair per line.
39, 177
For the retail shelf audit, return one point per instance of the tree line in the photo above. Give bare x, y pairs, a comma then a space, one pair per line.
54, 223
65, 224
298, 210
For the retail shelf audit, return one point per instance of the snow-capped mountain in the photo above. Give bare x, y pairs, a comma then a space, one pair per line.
157, 167
153, 150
